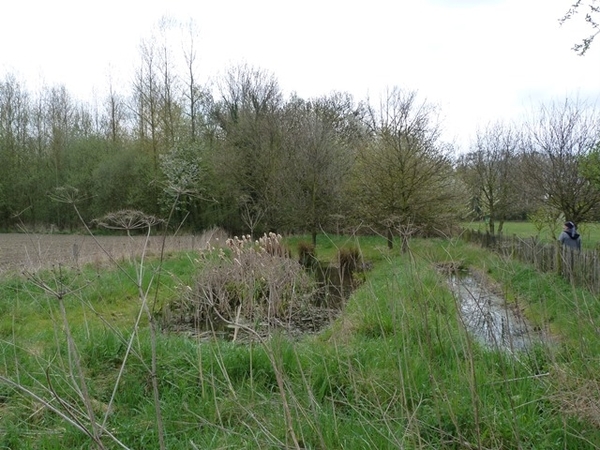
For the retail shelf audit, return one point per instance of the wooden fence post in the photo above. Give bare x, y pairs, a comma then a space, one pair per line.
558, 258
545, 257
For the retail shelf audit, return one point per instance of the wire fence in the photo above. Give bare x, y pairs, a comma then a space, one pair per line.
580, 268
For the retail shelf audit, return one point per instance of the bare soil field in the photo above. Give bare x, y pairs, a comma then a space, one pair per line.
31, 252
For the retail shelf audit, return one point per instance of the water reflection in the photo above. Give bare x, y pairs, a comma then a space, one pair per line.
488, 317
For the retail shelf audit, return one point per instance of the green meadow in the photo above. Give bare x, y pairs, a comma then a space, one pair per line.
590, 232
86, 361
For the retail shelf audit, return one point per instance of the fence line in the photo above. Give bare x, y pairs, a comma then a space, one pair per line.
581, 268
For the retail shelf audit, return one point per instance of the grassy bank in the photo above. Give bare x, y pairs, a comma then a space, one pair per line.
395, 370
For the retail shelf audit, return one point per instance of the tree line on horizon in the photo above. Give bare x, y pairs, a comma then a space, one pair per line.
242, 156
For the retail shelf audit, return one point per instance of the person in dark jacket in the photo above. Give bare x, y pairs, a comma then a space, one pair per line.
569, 236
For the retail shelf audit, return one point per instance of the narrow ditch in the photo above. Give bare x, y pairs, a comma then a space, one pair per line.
488, 317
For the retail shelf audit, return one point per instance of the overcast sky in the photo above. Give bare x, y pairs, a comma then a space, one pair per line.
479, 60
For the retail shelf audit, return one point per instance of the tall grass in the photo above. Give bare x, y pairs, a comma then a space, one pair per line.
396, 370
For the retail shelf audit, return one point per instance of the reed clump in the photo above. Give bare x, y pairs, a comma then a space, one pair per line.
251, 281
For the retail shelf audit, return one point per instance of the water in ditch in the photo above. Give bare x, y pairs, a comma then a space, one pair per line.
488, 317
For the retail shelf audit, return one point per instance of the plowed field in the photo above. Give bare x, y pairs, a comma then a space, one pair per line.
32, 252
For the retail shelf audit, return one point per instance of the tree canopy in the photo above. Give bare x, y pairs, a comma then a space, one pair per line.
241, 155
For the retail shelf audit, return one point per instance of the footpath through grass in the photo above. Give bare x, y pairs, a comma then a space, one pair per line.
396, 370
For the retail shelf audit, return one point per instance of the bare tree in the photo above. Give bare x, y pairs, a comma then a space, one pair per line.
248, 157
318, 159
193, 94
14, 114
559, 136
114, 117
14, 154
169, 107
156, 92
146, 99
490, 172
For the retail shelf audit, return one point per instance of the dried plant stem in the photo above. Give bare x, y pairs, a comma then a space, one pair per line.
143, 295
74, 362
69, 418
83, 390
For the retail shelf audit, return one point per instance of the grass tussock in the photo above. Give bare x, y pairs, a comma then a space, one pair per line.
307, 255
395, 370
349, 260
